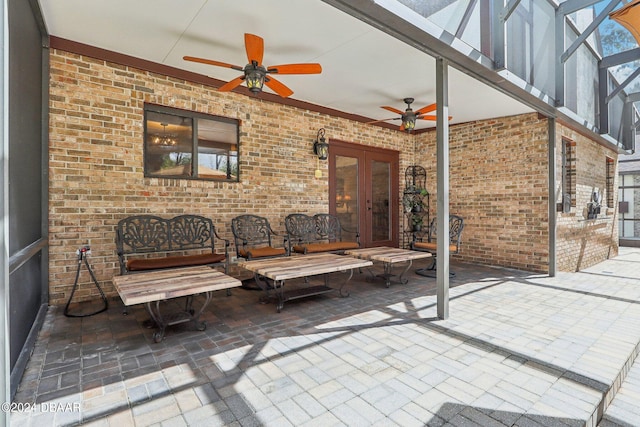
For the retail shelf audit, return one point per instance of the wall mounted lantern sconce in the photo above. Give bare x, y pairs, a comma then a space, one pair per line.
321, 145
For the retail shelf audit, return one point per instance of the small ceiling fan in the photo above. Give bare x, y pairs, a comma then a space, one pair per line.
409, 116
255, 73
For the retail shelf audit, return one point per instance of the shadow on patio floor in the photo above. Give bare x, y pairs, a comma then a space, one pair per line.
518, 348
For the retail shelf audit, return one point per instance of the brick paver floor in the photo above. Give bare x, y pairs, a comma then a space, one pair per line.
519, 349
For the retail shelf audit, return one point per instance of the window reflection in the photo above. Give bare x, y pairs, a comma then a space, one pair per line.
176, 140
217, 150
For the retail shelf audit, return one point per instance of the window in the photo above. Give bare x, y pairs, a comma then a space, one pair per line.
568, 175
611, 170
629, 206
189, 145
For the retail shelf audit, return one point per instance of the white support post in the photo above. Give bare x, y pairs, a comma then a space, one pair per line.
442, 213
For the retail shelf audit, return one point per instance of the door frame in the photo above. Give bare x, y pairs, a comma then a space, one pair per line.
365, 154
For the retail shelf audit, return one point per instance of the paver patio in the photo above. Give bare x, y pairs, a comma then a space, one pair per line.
519, 349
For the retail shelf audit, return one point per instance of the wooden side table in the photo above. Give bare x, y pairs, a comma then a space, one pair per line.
150, 288
389, 256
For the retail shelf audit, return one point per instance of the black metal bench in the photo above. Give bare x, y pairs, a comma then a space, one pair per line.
149, 242
318, 233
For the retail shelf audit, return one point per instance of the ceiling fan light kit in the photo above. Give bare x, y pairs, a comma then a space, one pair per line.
255, 77
254, 73
409, 116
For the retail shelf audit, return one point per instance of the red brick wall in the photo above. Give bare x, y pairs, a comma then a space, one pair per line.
96, 161
582, 243
498, 171
498, 184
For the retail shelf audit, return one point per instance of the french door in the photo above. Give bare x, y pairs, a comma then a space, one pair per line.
363, 191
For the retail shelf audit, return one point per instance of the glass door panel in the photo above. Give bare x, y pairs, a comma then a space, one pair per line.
363, 191
347, 192
380, 206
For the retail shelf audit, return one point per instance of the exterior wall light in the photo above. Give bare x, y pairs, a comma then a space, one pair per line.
321, 145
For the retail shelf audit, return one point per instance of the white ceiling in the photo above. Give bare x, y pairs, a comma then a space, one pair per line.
363, 68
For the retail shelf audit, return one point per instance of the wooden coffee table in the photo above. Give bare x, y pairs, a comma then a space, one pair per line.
150, 288
389, 256
281, 269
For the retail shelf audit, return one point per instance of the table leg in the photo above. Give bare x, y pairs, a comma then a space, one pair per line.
279, 290
372, 275
157, 318
388, 273
283, 296
201, 326
189, 314
346, 294
405, 280
263, 283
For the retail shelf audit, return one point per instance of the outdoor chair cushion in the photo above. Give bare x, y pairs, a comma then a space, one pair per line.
325, 247
173, 261
265, 251
432, 246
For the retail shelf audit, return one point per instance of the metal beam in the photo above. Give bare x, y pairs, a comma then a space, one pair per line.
465, 18
559, 65
442, 178
620, 58
395, 19
552, 196
622, 85
5, 309
19, 258
571, 6
497, 32
587, 31
603, 89
509, 9
626, 127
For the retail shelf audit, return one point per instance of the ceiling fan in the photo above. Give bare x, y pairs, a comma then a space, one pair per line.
409, 116
255, 73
